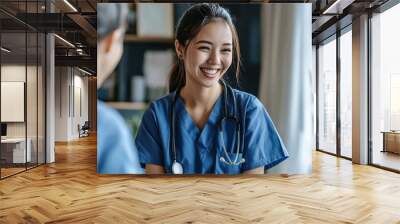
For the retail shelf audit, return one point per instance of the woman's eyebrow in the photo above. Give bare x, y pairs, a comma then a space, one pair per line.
204, 42
210, 43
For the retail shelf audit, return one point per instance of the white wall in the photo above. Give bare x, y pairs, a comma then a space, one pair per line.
33, 126
12, 101
61, 103
71, 94
12, 73
80, 100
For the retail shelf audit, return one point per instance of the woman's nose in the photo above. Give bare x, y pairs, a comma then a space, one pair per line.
215, 58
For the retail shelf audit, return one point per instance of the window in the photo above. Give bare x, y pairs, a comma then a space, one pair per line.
327, 97
385, 88
346, 94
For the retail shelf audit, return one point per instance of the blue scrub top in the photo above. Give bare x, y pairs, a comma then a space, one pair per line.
199, 151
116, 152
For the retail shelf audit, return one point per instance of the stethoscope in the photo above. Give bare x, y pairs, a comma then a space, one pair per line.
177, 167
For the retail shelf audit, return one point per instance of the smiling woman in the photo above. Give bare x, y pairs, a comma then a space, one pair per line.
208, 56
203, 125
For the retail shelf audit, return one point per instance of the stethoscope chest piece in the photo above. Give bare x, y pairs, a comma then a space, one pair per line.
177, 168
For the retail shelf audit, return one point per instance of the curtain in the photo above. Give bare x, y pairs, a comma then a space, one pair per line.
286, 87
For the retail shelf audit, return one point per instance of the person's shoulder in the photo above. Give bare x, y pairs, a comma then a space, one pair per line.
106, 112
159, 106
108, 115
247, 100
112, 128
162, 101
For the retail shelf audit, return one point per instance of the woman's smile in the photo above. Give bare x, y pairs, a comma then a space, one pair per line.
210, 72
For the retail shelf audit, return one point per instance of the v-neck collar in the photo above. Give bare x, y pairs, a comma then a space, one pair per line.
185, 119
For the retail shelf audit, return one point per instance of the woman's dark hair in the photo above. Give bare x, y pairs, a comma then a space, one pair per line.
189, 26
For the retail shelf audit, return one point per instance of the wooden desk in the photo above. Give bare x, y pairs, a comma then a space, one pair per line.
391, 141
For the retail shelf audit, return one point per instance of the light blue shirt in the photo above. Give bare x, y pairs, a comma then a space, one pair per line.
116, 152
200, 151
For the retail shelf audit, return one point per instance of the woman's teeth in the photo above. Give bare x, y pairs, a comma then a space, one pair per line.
209, 71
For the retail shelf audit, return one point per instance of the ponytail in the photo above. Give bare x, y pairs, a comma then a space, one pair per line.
177, 78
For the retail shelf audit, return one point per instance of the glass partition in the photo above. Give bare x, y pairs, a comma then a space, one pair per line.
31, 99
346, 94
41, 85
34, 48
385, 89
13, 105
22, 89
327, 96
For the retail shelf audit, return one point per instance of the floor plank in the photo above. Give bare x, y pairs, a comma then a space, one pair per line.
70, 191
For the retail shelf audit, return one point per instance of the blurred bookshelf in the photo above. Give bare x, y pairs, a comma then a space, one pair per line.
127, 105
149, 54
132, 112
147, 39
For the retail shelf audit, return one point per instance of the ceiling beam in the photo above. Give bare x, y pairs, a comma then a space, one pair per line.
82, 61
337, 7
84, 24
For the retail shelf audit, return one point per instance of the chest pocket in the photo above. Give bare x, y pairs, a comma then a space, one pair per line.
226, 167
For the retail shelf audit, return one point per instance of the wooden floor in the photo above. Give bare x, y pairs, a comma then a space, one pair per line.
10, 171
5, 172
70, 191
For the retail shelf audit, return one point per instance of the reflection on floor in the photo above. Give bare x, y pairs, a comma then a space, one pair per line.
386, 159
346, 151
10, 169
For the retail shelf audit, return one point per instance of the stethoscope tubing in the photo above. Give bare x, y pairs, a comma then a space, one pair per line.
235, 162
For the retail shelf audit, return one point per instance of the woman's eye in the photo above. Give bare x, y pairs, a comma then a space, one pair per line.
226, 50
204, 48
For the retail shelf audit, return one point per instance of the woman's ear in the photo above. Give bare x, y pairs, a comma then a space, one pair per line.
178, 49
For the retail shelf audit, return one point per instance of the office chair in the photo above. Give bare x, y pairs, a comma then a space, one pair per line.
84, 130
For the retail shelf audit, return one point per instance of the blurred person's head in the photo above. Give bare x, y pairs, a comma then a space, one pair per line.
206, 45
111, 26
